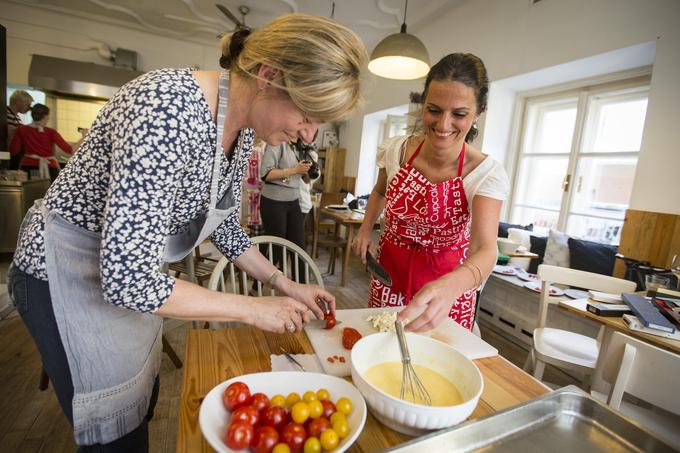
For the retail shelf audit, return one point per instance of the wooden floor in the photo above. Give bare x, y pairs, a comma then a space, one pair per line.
31, 420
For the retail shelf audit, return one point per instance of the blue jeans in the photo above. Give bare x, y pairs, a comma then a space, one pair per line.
32, 299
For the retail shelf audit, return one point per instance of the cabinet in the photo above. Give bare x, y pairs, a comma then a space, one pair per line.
332, 165
15, 199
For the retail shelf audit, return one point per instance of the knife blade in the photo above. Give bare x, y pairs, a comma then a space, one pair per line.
291, 358
321, 323
376, 269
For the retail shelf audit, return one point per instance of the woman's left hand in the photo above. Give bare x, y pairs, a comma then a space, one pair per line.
309, 295
436, 297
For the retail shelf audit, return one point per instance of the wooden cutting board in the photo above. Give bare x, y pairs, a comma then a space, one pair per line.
328, 343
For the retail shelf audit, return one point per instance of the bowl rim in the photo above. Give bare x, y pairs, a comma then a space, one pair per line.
389, 397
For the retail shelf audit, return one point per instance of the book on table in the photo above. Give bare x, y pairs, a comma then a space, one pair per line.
647, 313
667, 309
634, 324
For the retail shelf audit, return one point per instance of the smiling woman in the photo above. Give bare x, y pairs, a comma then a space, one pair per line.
159, 172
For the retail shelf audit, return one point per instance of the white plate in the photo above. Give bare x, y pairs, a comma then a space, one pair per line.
536, 286
526, 276
576, 293
213, 418
339, 207
504, 270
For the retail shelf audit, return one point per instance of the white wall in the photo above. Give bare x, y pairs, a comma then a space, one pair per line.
514, 38
36, 31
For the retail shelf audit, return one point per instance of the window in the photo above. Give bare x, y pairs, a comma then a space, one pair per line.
577, 156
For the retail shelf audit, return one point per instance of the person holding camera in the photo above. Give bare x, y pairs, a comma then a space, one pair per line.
283, 169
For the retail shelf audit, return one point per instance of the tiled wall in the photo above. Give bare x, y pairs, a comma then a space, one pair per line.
72, 114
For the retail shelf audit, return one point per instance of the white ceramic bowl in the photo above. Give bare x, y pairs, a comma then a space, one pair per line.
507, 246
403, 416
213, 418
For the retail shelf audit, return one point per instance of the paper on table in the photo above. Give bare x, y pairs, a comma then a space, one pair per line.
281, 363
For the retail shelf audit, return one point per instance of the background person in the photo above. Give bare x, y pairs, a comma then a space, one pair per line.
19, 103
442, 200
160, 170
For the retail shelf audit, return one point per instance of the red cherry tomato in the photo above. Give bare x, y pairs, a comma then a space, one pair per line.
264, 440
246, 414
237, 394
239, 435
316, 426
330, 321
349, 337
260, 401
328, 408
274, 416
294, 435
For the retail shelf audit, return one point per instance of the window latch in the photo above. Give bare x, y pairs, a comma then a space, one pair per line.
565, 183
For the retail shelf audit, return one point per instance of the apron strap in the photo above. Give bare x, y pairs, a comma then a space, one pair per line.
222, 100
461, 160
415, 153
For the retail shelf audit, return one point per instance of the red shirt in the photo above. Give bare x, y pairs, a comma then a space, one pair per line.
30, 140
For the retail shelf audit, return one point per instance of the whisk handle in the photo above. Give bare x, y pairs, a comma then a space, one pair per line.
399, 328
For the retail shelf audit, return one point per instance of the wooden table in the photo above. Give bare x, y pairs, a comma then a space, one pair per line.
350, 219
213, 356
522, 255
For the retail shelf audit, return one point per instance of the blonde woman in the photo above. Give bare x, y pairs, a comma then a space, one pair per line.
160, 170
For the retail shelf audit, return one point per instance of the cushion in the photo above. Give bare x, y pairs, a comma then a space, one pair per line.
538, 244
592, 256
557, 249
503, 228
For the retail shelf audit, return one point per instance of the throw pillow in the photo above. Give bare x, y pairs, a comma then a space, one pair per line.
592, 256
503, 228
557, 249
538, 244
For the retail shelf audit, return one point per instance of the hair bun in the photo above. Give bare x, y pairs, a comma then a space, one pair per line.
232, 46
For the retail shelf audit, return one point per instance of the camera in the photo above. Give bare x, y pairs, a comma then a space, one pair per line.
304, 153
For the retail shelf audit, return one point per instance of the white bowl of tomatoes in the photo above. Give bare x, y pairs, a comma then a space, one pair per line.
259, 413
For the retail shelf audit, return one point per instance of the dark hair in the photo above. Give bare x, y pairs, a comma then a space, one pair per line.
237, 41
467, 69
39, 111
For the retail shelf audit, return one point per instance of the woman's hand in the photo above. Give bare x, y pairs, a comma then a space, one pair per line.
362, 243
436, 297
277, 314
302, 167
311, 296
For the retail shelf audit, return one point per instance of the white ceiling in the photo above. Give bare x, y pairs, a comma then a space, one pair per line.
201, 21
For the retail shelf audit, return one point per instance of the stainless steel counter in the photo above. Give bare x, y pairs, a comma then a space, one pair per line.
16, 197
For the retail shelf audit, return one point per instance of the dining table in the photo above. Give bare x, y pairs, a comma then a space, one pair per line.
215, 355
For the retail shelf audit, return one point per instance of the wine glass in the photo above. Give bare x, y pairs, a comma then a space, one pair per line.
675, 268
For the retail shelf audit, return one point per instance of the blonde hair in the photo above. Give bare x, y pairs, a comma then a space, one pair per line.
20, 96
321, 62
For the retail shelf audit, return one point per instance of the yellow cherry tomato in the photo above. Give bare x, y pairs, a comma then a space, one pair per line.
323, 394
312, 445
300, 412
329, 439
337, 416
344, 405
291, 399
315, 409
281, 448
277, 400
341, 427
309, 396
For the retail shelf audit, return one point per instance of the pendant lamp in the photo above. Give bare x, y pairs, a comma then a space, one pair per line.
400, 56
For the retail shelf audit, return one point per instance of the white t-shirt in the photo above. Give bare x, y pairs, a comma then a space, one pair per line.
487, 179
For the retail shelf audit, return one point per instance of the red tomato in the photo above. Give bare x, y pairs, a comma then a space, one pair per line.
239, 435
274, 416
330, 321
260, 401
237, 394
294, 435
265, 439
317, 426
328, 408
246, 414
349, 337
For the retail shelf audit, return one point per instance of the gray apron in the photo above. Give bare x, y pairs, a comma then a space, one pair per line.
114, 354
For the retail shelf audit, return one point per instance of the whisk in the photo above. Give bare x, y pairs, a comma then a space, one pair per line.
410, 382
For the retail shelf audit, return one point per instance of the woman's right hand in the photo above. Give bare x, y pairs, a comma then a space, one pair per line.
302, 167
363, 242
277, 313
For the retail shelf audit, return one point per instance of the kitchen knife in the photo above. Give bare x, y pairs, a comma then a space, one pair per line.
377, 270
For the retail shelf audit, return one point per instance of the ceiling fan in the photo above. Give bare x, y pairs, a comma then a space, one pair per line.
241, 9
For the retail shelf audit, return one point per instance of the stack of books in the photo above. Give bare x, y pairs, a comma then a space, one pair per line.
657, 314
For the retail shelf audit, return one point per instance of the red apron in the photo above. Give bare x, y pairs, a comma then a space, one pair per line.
426, 235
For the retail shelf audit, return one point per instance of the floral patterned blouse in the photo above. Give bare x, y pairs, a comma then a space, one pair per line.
142, 173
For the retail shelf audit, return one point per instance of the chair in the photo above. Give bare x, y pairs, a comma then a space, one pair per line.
226, 277
195, 266
331, 241
648, 373
562, 348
